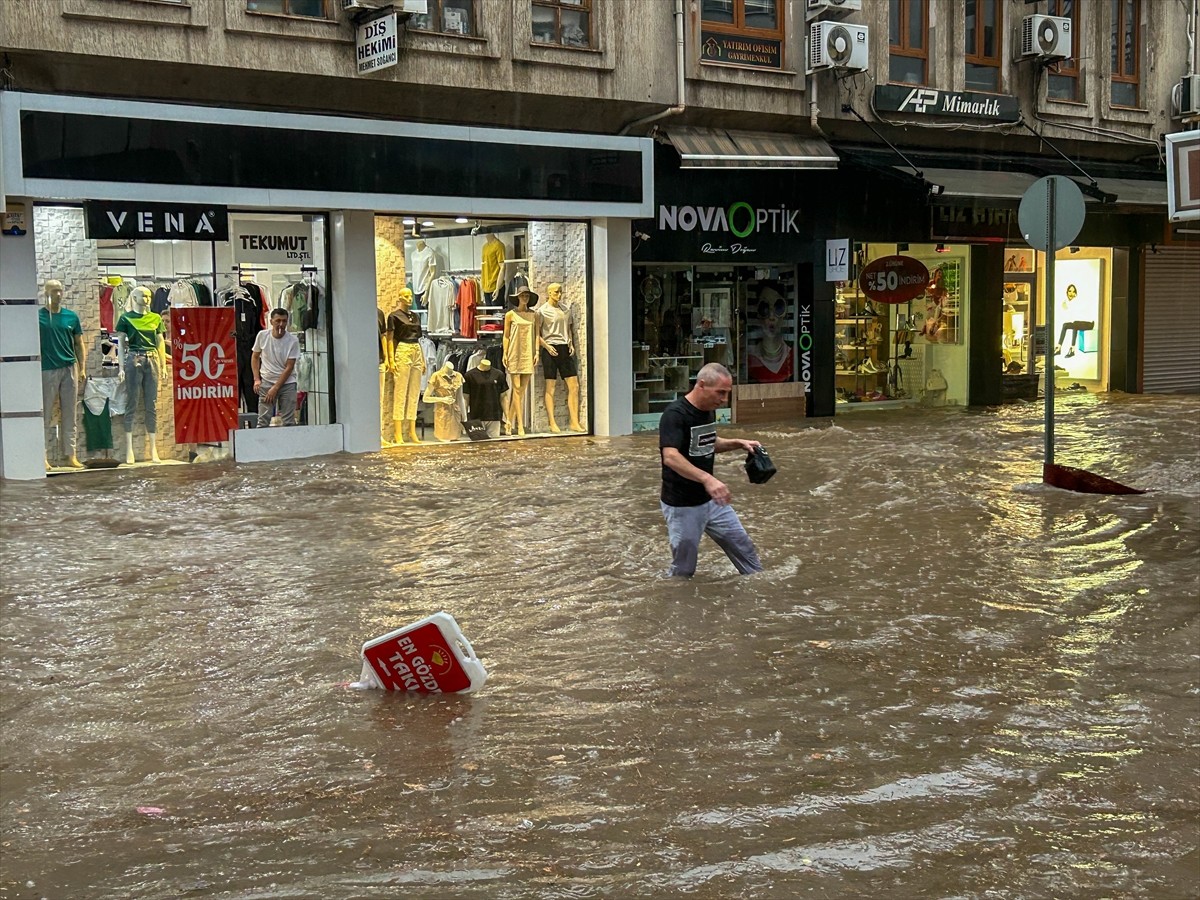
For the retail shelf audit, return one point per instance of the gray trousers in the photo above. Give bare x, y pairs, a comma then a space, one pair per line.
60, 385
687, 524
285, 404
142, 371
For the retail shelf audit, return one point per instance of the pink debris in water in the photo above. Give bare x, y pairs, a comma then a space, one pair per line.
152, 811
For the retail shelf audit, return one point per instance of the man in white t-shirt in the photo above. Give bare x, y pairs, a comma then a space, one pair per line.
274, 363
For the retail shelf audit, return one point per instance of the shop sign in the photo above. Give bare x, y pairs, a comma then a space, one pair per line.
263, 241
923, 101
894, 279
980, 222
130, 220
736, 50
418, 660
804, 344
728, 231
376, 42
14, 220
837, 260
204, 357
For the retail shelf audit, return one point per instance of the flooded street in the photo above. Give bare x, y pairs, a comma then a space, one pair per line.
950, 681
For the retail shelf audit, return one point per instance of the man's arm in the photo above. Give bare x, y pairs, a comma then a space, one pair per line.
724, 445
255, 364
678, 463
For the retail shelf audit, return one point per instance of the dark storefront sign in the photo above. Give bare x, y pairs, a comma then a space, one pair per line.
923, 101
736, 50
981, 223
130, 220
78, 147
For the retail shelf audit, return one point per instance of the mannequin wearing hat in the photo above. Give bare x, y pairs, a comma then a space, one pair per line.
402, 352
145, 361
444, 392
520, 355
556, 338
62, 371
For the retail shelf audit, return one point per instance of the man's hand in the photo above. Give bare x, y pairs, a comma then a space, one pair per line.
749, 446
257, 385
718, 491
272, 393
550, 349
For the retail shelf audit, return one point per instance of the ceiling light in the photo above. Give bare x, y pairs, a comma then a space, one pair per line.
461, 220
427, 224
410, 221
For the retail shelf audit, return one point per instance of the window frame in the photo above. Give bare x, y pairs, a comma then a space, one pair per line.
560, 6
975, 56
1067, 68
439, 6
738, 26
905, 48
326, 15
1118, 75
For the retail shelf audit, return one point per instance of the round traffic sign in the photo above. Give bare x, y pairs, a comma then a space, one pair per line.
1034, 214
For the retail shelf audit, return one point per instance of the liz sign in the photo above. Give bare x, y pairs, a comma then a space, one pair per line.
894, 279
203, 353
155, 221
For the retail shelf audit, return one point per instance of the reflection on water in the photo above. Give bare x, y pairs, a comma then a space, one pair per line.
951, 681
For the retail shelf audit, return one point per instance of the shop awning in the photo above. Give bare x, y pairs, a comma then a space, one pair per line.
719, 148
959, 183
1135, 191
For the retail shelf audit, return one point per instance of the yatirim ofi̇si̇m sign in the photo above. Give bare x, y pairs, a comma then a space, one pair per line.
923, 101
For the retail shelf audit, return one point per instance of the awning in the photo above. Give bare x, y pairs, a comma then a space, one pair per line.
718, 148
1134, 191
959, 183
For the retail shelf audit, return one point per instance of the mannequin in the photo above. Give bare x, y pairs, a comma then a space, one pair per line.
484, 385
145, 361
556, 337
63, 370
490, 267
443, 391
520, 348
407, 364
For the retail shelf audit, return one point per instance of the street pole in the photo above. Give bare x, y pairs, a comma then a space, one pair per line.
1051, 249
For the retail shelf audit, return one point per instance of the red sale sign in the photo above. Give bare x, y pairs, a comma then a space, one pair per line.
428, 657
894, 279
204, 354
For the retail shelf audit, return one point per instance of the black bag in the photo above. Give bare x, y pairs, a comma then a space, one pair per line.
759, 466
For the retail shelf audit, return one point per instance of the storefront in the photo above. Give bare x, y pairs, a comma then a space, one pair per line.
563, 203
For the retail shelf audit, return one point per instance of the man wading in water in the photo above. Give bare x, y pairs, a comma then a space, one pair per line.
693, 501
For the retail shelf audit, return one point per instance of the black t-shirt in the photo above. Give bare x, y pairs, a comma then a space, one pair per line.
694, 434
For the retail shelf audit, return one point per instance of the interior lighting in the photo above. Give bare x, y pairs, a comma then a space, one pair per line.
427, 224
410, 221
941, 248
461, 220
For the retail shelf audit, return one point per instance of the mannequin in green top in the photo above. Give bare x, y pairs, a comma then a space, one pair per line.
145, 361
62, 371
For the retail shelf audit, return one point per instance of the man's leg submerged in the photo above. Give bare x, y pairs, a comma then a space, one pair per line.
726, 529
685, 525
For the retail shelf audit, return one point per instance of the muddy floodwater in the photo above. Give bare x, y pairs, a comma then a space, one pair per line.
949, 682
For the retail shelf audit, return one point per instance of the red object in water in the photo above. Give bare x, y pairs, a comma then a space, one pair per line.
1082, 481
423, 658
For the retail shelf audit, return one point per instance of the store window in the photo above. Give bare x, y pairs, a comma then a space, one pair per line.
983, 38
565, 23
685, 316
446, 17
312, 9
1126, 51
483, 328
908, 41
1063, 80
138, 404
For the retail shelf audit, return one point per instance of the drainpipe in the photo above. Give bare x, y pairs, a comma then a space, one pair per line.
813, 108
679, 106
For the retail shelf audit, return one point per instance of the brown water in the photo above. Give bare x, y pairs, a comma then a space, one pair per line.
950, 681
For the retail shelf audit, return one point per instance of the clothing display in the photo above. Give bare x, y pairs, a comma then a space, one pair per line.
560, 364
98, 410
302, 300
491, 264
444, 391
57, 332
59, 386
250, 313
142, 371
440, 298
425, 266
467, 301
141, 330
484, 388
520, 357
557, 323
382, 325
107, 317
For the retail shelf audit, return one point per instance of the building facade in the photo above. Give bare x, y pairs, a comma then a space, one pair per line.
594, 141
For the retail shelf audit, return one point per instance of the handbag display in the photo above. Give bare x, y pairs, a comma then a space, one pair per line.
759, 467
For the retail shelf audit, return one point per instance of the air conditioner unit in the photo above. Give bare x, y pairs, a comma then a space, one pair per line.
815, 8
1189, 95
833, 45
360, 5
1046, 37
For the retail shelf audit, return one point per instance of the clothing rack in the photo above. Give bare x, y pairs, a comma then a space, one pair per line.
462, 271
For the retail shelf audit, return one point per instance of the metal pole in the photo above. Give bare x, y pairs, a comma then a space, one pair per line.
1051, 249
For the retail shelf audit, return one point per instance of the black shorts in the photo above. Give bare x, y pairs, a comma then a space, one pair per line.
561, 366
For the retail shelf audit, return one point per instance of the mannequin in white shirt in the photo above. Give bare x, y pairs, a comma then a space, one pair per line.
558, 356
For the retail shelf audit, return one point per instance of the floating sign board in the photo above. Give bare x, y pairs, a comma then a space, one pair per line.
431, 656
894, 279
204, 357
131, 220
377, 43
